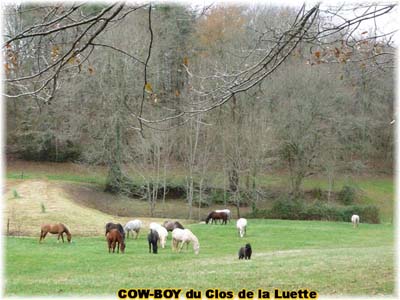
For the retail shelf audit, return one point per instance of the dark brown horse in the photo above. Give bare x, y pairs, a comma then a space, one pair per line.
117, 226
170, 225
114, 238
213, 216
153, 238
55, 229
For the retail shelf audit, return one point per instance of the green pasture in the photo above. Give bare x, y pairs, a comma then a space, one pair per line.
331, 258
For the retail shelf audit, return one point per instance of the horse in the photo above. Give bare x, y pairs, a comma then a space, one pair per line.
227, 211
245, 252
355, 219
162, 233
134, 226
184, 236
153, 238
117, 226
241, 225
170, 225
55, 229
217, 216
114, 237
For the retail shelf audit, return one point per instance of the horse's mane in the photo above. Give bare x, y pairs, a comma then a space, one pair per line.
65, 229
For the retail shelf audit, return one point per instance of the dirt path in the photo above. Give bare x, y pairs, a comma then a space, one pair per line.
42, 201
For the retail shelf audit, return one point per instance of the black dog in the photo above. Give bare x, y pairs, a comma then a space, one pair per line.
245, 252
153, 238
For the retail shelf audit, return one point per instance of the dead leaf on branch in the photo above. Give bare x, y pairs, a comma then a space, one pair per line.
148, 88
72, 60
55, 52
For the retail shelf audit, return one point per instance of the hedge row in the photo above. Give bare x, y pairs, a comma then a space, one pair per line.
299, 210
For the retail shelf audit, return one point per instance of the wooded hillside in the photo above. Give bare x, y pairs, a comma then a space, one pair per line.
239, 90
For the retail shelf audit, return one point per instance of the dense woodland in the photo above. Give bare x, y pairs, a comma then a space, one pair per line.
160, 88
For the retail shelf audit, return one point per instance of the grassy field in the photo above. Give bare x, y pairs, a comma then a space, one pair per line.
331, 258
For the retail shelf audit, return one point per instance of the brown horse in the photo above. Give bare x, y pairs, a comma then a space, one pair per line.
114, 237
213, 216
170, 225
55, 229
118, 226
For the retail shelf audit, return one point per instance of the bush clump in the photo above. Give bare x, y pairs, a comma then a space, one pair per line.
297, 209
347, 195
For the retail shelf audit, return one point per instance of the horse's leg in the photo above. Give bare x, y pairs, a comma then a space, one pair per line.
117, 246
41, 235
58, 237
62, 236
180, 248
113, 246
44, 235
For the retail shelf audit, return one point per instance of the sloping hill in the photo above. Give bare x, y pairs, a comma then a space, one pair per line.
42, 201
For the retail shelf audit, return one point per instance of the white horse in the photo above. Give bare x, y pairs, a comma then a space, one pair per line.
184, 236
355, 219
134, 226
227, 211
162, 233
241, 225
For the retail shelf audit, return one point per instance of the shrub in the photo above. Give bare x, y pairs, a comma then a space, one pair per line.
16, 195
298, 210
367, 213
42, 207
347, 195
287, 208
317, 193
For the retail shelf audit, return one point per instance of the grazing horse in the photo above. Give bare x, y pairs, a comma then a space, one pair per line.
241, 225
170, 225
217, 216
117, 226
184, 236
162, 233
134, 226
114, 237
227, 211
153, 238
55, 229
245, 252
355, 219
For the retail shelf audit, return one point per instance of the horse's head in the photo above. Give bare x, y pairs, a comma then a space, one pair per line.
122, 247
69, 237
210, 215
